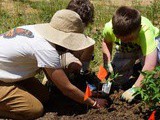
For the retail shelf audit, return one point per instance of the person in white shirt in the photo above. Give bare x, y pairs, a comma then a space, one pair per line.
27, 49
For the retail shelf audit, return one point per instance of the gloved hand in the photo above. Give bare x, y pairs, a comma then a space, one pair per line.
109, 67
128, 95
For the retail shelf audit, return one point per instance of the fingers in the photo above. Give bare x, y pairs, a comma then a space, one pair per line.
102, 102
127, 96
110, 67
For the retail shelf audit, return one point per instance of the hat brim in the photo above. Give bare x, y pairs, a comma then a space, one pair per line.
72, 41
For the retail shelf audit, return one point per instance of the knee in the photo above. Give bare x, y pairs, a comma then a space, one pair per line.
74, 67
37, 111
29, 113
70, 63
89, 50
34, 112
32, 109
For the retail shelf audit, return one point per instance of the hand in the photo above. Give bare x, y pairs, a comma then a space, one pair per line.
109, 67
128, 95
100, 103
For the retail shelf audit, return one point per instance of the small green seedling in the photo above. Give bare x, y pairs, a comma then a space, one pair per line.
108, 82
112, 76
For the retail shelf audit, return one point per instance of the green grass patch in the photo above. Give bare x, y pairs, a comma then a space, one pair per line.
43, 11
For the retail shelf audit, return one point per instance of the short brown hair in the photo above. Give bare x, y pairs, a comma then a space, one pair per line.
125, 21
84, 8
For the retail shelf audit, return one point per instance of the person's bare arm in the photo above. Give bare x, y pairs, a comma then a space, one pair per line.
107, 51
61, 81
150, 63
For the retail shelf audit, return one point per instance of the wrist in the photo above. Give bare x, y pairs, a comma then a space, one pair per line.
133, 86
109, 64
90, 101
94, 104
132, 89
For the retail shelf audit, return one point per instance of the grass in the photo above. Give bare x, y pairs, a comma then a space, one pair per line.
33, 11
23, 12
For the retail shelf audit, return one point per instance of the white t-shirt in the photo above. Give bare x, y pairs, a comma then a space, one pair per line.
22, 52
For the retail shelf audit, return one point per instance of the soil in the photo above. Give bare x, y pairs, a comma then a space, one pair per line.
63, 108
66, 109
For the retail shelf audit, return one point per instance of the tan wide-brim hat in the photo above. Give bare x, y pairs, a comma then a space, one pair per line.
65, 29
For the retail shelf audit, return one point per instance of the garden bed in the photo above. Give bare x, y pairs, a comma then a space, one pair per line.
63, 108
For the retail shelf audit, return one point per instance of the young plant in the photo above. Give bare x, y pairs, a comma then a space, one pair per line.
150, 90
108, 82
113, 76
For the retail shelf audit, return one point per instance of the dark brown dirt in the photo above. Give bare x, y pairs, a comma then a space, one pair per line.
63, 108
